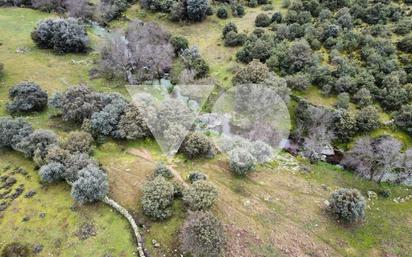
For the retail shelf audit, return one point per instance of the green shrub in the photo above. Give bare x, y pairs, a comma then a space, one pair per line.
234, 39
91, 185
196, 9
367, 119
228, 28
61, 35
179, 43
276, 17
157, 198
252, 3
52, 172
238, 10
162, 170
202, 235
195, 176
347, 205
241, 161
222, 13
196, 145
79, 141
200, 196
15, 249
262, 20
363, 97
403, 118
26, 97
255, 72
343, 101
13, 131
209, 11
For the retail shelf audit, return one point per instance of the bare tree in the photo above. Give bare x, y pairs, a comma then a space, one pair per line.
373, 158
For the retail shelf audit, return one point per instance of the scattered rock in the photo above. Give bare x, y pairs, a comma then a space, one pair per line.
42, 215
155, 243
85, 231
9, 182
37, 248
3, 206
327, 203
372, 195
17, 193
25, 219
30, 194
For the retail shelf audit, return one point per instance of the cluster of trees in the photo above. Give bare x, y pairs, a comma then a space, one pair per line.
26, 97
202, 233
146, 52
61, 35
57, 160
101, 114
317, 127
193, 10
362, 64
380, 159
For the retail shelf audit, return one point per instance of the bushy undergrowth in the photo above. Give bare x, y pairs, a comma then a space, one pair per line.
26, 97
61, 35
347, 205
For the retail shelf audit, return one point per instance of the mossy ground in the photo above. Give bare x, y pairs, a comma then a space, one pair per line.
275, 211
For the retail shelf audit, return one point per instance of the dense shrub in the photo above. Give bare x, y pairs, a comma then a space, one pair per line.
299, 81
347, 205
241, 161
403, 118
52, 172
342, 101
193, 61
49, 5
61, 35
196, 145
234, 39
238, 10
262, 20
15, 249
157, 198
196, 9
76, 162
195, 176
363, 97
162, 170
26, 97
222, 13
367, 119
228, 28
276, 17
37, 143
79, 141
405, 44
200, 196
109, 10
202, 235
105, 122
78, 103
13, 131
255, 72
91, 185
179, 43
344, 125
133, 123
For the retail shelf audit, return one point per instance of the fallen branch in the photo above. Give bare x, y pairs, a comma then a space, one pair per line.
131, 221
